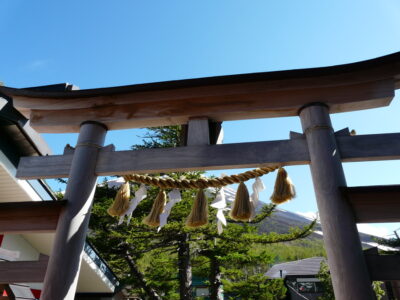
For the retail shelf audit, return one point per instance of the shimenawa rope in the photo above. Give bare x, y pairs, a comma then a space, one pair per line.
201, 183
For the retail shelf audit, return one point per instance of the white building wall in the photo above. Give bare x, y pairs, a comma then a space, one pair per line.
15, 242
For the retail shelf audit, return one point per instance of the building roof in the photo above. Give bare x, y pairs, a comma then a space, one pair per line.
306, 267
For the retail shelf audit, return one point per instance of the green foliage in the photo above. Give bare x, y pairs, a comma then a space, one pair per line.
59, 195
160, 270
379, 292
255, 287
244, 279
326, 281
161, 137
294, 250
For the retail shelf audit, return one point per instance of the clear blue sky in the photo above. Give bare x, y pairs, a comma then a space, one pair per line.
108, 43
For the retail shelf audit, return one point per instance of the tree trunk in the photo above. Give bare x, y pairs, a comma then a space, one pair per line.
140, 278
215, 279
185, 268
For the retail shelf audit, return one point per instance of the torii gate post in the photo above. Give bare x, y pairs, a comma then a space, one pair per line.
345, 257
65, 260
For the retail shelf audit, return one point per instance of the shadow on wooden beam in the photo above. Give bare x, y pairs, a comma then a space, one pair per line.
23, 217
382, 267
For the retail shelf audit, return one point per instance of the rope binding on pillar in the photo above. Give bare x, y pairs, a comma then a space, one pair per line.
243, 207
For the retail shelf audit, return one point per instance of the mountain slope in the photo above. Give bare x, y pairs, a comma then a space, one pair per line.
281, 220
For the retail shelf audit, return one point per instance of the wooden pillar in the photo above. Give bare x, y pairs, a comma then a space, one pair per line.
63, 269
345, 258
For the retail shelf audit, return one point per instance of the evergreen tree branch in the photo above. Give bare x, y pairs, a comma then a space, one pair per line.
272, 237
266, 211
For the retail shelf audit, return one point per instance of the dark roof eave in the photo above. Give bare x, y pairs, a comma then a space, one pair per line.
25, 138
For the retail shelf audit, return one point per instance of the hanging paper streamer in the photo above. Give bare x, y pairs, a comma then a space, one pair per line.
219, 201
220, 204
174, 197
140, 194
258, 187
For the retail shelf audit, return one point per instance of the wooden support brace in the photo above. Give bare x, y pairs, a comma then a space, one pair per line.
23, 271
198, 132
23, 217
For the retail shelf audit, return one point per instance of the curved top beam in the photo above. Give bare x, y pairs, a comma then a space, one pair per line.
349, 87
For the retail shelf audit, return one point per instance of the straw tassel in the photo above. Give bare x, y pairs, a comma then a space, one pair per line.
242, 208
199, 214
121, 202
153, 219
284, 189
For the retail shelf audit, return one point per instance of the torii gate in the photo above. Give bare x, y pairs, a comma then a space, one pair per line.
311, 94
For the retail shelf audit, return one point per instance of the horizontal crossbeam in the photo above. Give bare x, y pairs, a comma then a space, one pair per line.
23, 217
23, 271
374, 204
214, 157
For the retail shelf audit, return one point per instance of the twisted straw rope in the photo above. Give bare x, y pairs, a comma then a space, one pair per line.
201, 183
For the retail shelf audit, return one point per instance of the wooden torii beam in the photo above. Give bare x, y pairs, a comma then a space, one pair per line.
349, 87
310, 93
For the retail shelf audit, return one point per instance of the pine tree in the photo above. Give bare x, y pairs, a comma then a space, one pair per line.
126, 247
